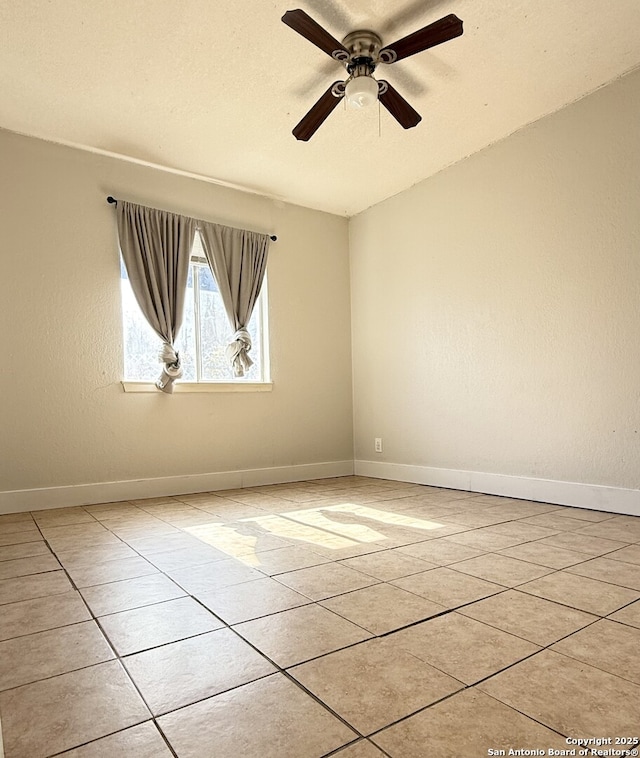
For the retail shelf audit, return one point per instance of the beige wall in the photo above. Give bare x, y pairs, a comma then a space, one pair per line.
64, 417
496, 306
496, 317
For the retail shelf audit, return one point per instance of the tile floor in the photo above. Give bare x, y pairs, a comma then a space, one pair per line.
348, 617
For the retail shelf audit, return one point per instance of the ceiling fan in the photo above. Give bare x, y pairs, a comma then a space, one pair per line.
360, 52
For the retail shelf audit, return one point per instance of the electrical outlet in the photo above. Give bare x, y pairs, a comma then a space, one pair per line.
378, 444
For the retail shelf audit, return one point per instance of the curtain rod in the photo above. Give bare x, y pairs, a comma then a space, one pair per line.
112, 201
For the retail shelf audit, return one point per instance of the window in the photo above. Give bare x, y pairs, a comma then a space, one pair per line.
203, 337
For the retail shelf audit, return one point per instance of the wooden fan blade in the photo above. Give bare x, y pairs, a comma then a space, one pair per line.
440, 31
399, 108
310, 123
302, 23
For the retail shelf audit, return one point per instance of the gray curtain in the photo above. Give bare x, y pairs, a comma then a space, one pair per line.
238, 259
156, 248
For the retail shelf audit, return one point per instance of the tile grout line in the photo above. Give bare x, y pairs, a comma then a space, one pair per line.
500, 671
126, 672
118, 658
542, 648
283, 671
115, 652
466, 688
290, 677
229, 626
364, 740
278, 668
111, 734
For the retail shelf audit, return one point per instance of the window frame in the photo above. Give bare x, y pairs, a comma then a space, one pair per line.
261, 313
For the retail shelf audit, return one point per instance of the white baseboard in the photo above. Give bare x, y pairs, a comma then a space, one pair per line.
611, 499
594, 496
134, 489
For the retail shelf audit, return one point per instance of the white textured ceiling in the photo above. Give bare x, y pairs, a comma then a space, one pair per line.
214, 87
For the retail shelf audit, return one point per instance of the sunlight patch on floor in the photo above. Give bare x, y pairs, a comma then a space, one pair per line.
316, 517
385, 517
289, 528
225, 538
333, 527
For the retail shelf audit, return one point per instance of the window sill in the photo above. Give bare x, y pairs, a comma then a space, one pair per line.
180, 387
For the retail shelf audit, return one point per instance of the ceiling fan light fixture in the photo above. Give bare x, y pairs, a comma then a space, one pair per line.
360, 52
361, 91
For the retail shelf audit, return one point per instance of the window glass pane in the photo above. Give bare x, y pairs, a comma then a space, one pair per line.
215, 334
207, 282
186, 342
215, 331
142, 346
255, 373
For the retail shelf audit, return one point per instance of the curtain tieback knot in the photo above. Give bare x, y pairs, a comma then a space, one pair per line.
237, 352
172, 369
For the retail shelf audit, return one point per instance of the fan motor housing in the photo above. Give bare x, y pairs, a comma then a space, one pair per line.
364, 48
